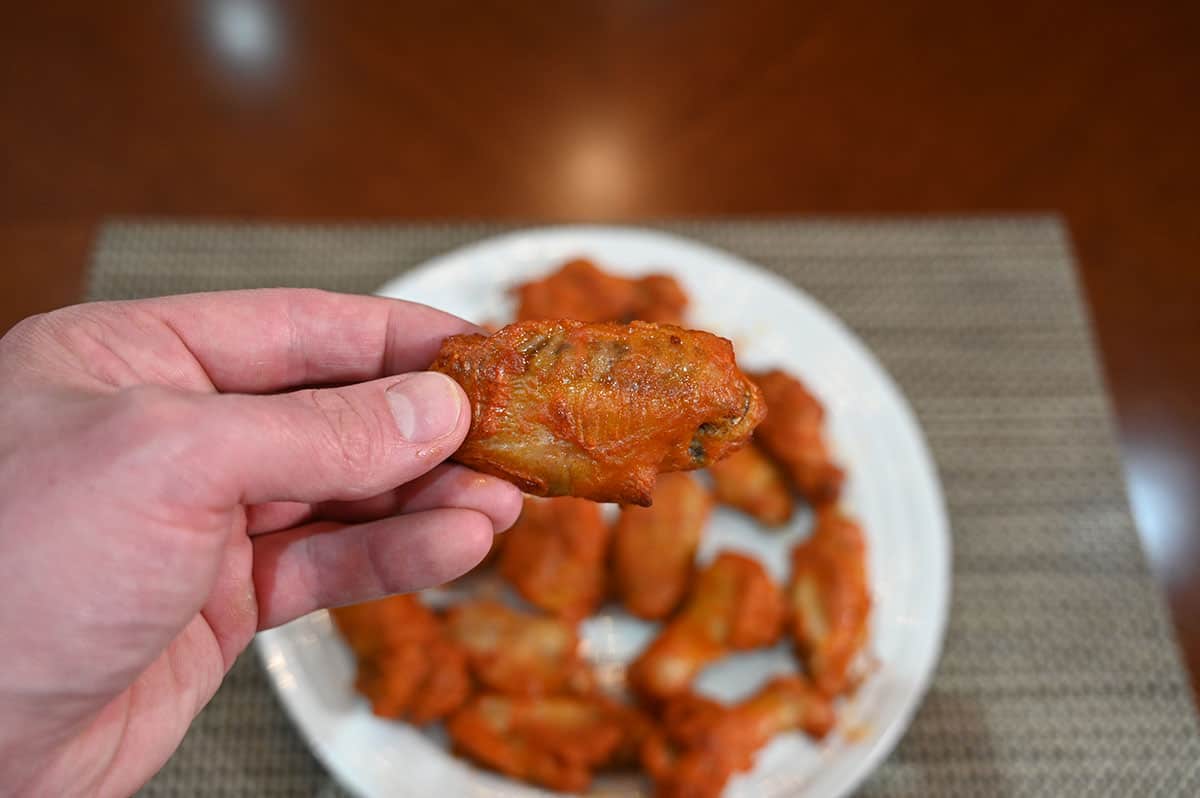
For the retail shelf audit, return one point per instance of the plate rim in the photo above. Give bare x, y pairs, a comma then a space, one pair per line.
267, 643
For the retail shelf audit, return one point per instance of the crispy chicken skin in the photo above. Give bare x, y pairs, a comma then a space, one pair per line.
653, 547
733, 605
555, 741
754, 484
580, 290
516, 653
794, 434
829, 601
555, 554
407, 668
702, 743
597, 410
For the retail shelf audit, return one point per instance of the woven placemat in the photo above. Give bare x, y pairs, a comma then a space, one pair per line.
1060, 675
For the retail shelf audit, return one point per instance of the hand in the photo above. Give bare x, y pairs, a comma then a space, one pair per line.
160, 501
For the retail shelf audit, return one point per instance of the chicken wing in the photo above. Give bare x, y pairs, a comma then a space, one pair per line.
517, 653
598, 410
407, 668
374, 625
555, 741
653, 547
754, 484
794, 434
555, 555
420, 682
702, 743
733, 605
830, 601
580, 290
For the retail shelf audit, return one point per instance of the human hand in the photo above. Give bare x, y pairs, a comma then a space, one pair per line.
160, 503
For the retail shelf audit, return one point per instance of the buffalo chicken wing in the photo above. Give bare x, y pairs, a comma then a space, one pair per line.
830, 601
754, 484
794, 434
555, 741
555, 555
653, 547
517, 653
701, 743
407, 666
733, 605
565, 408
580, 290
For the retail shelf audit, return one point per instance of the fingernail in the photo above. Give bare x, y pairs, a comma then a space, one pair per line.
426, 405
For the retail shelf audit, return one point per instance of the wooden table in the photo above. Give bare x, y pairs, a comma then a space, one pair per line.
629, 110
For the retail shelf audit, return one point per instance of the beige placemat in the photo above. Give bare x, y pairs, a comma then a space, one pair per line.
1060, 675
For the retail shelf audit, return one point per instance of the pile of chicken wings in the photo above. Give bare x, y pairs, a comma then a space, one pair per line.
597, 393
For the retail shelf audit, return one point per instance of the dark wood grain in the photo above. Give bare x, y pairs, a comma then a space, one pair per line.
627, 110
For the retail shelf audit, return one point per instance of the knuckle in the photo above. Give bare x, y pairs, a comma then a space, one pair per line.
354, 436
378, 580
301, 303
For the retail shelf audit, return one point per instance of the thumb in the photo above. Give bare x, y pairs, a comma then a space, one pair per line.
335, 443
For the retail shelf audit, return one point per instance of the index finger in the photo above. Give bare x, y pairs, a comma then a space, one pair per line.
265, 340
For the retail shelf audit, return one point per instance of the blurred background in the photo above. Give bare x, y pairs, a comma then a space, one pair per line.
624, 110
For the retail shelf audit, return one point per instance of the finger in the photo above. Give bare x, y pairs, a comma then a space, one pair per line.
448, 485
331, 444
231, 608
327, 564
275, 339
273, 516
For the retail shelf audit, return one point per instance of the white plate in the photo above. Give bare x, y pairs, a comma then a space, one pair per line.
892, 487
